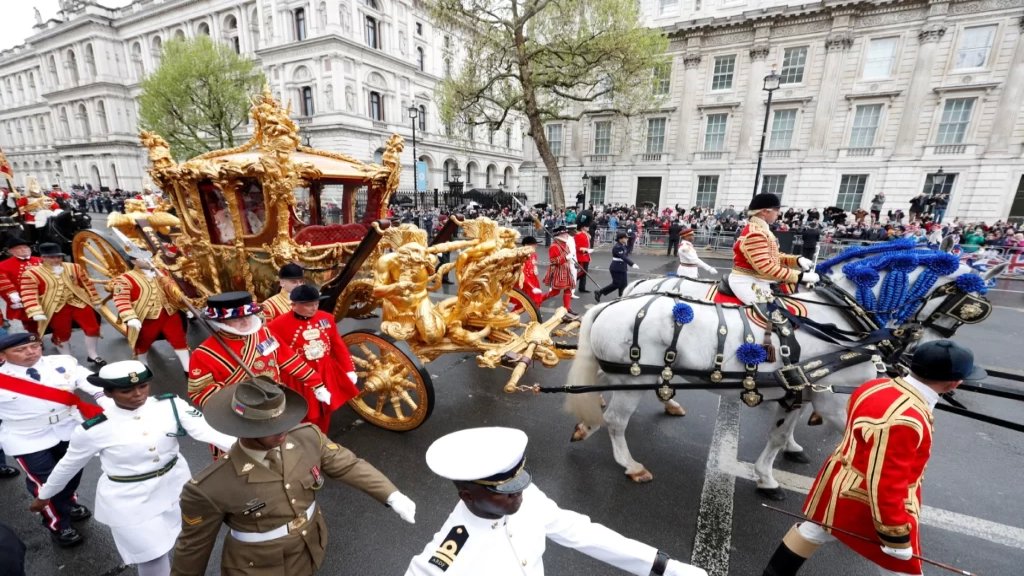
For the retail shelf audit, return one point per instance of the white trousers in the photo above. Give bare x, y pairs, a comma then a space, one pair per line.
750, 289
818, 535
687, 272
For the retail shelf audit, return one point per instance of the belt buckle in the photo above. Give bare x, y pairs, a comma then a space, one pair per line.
54, 418
297, 523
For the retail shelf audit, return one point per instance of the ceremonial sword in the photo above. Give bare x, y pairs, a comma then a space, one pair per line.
935, 563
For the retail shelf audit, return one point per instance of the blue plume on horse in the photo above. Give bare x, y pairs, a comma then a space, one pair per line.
971, 283
751, 354
936, 264
865, 279
897, 245
893, 292
682, 313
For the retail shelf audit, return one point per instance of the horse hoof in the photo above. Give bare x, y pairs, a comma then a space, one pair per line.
675, 409
776, 494
578, 434
797, 457
815, 419
640, 477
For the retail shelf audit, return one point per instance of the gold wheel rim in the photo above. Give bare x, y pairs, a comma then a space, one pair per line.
102, 263
392, 392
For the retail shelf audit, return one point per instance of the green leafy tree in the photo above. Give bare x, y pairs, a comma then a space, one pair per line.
546, 60
199, 96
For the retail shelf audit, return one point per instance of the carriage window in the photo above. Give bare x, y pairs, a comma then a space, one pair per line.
331, 199
218, 217
302, 209
254, 209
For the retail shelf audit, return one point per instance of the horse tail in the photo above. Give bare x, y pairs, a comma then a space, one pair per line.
586, 407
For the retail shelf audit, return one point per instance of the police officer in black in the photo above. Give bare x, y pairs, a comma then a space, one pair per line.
619, 268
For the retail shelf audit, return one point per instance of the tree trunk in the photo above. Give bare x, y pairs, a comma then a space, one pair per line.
540, 137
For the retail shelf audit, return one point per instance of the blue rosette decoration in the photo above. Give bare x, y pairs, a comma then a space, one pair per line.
971, 283
682, 313
751, 354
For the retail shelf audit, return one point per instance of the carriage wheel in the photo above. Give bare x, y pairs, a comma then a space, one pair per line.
356, 301
103, 261
395, 391
529, 311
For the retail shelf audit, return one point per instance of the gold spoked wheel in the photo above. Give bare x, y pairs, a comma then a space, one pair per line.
528, 311
103, 261
395, 391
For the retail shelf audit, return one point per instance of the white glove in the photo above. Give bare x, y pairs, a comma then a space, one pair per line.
353, 377
635, 266
322, 394
403, 506
538, 291
677, 568
39, 318
15, 297
711, 270
805, 264
17, 305
899, 553
810, 278
189, 314
134, 323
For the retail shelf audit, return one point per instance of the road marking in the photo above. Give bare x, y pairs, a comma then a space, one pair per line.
714, 517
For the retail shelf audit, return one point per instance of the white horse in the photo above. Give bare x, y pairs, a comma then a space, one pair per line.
607, 337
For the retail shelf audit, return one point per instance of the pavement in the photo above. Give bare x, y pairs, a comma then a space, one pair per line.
701, 504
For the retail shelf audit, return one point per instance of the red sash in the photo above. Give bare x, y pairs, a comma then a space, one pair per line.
43, 392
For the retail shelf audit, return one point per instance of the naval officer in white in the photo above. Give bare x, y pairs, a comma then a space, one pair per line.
500, 526
143, 471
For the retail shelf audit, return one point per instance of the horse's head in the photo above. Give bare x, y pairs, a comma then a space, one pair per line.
922, 294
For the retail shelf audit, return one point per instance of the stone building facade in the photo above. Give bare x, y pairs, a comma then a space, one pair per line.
351, 69
901, 97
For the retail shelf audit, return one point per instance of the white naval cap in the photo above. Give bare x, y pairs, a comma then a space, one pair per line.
493, 457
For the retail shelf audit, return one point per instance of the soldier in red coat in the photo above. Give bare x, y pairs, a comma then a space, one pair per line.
871, 484
11, 270
583, 251
236, 319
312, 333
559, 275
530, 283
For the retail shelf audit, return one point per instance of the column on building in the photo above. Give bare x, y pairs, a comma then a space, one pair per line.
688, 89
836, 46
752, 113
1010, 101
920, 84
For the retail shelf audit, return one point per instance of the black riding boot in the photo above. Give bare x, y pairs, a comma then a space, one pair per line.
791, 554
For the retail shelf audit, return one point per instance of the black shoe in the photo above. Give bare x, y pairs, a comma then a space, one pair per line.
585, 291
66, 538
9, 472
97, 362
597, 296
79, 513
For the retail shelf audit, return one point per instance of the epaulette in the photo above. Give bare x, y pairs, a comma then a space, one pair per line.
94, 421
210, 470
166, 396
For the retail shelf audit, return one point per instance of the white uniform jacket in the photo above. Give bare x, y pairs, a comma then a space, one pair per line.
131, 443
689, 261
30, 424
468, 545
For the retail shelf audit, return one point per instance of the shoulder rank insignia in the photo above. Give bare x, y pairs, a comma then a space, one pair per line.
191, 520
445, 555
94, 421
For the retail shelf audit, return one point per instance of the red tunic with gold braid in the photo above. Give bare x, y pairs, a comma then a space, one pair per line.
529, 283
63, 298
212, 368
871, 484
11, 270
275, 306
28, 206
317, 340
139, 296
756, 253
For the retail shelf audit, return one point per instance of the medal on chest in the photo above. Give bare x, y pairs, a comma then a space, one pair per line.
318, 477
314, 349
267, 346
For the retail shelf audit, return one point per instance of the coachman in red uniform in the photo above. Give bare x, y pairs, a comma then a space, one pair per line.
313, 334
289, 277
236, 319
529, 282
583, 250
11, 270
871, 484
559, 275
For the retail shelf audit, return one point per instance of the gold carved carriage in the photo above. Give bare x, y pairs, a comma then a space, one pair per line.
234, 217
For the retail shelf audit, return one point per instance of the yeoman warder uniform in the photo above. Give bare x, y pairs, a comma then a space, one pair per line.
11, 271
143, 471
40, 410
265, 488
316, 338
871, 484
501, 525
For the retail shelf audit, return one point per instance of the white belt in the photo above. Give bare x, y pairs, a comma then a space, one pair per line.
41, 421
617, 260
279, 532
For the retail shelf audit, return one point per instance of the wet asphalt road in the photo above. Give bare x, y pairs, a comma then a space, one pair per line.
973, 480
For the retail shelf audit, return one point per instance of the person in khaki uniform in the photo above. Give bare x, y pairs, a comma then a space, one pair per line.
264, 488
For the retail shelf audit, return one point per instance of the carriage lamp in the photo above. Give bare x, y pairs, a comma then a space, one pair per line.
938, 180
771, 84
456, 174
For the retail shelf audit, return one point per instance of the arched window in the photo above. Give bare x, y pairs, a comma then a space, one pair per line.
231, 32
140, 66
299, 17
72, 64
53, 71
83, 121
421, 58
307, 101
101, 117
32, 93
65, 126
42, 129
157, 48
372, 33
179, 34
90, 61
203, 29
422, 118
376, 106
372, 4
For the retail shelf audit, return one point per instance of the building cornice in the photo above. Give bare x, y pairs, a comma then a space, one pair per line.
979, 87
83, 91
891, 95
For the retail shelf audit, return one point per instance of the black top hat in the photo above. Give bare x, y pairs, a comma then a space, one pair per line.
944, 361
13, 241
16, 339
254, 409
290, 272
50, 249
230, 305
121, 375
529, 241
764, 201
305, 293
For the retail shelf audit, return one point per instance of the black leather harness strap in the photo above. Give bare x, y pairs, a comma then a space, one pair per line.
634, 349
750, 395
723, 331
667, 373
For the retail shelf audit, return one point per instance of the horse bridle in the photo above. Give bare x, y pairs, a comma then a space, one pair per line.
963, 307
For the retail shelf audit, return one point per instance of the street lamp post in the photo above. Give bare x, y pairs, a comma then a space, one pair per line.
583, 204
771, 84
414, 113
